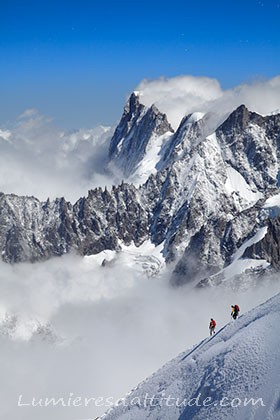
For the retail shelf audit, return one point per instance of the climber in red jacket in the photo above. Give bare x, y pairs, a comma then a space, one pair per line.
212, 326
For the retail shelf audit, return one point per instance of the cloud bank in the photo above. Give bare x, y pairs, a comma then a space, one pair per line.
37, 158
182, 95
116, 326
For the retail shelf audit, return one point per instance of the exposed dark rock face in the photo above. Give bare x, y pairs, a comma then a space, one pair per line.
199, 259
245, 147
251, 145
107, 218
138, 127
30, 230
202, 204
269, 247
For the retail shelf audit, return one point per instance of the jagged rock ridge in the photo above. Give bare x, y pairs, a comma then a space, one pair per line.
138, 127
32, 230
202, 202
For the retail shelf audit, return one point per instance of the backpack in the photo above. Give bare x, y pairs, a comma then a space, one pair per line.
213, 323
236, 308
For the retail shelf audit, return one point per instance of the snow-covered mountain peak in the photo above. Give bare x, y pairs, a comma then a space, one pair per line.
133, 104
197, 192
250, 145
140, 130
196, 116
238, 119
242, 118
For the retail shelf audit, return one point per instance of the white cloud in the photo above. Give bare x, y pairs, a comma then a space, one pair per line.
28, 113
119, 326
182, 95
37, 158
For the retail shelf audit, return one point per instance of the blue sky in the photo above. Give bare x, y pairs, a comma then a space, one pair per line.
78, 60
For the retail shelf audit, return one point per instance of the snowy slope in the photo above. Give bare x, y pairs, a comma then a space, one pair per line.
239, 363
271, 207
145, 259
239, 264
151, 159
236, 183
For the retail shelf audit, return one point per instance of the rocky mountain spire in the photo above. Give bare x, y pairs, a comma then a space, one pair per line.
202, 205
139, 127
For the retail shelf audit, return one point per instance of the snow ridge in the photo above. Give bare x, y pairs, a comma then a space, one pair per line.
239, 362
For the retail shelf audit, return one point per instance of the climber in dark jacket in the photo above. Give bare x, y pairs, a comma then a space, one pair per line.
235, 311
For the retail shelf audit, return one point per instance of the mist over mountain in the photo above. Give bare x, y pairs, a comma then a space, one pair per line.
200, 192
183, 191
230, 374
